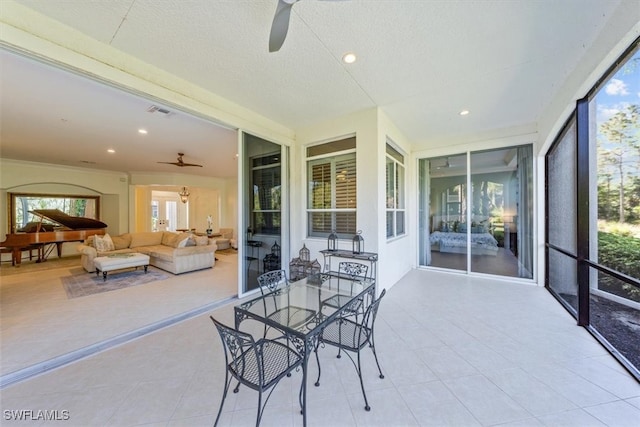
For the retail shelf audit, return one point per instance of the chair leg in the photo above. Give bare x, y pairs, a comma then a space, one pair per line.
364, 394
375, 355
317, 384
227, 383
260, 408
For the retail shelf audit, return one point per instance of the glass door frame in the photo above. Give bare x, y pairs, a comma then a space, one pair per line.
245, 211
468, 214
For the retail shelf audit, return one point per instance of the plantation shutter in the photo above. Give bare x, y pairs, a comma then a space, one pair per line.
345, 222
320, 186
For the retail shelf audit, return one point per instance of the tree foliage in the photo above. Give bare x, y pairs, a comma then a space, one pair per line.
619, 166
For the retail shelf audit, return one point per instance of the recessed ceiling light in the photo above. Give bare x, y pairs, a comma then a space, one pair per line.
464, 112
142, 131
111, 150
349, 58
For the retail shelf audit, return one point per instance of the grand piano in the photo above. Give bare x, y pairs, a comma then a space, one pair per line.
66, 228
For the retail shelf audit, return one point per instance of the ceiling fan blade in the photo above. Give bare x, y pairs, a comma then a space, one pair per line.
280, 25
190, 164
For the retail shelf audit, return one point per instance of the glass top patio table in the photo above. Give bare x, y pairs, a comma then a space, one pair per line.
307, 311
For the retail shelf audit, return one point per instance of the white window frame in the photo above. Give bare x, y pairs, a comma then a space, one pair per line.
398, 191
332, 158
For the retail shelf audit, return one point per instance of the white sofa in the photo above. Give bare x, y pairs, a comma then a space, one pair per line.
173, 252
226, 240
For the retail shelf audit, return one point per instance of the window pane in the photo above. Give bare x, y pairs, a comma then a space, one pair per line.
266, 189
399, 223
346, 182
389, 223
321, 224
346, 223
399, 187
320, 186
266, 222
390, 184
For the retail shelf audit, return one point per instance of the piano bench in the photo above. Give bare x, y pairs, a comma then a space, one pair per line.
30, 248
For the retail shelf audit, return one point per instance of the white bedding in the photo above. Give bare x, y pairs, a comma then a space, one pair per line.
481, 243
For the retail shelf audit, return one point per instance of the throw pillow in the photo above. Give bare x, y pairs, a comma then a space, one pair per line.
109, 242
182, 243
103, 243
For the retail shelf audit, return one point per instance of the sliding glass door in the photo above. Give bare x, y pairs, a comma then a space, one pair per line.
264, 202
476, 212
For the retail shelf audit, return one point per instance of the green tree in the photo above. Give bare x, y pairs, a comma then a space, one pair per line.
621, 131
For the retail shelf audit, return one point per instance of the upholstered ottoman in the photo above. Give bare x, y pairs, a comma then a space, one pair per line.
113, 262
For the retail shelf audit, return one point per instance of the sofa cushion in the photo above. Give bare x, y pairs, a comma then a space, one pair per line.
121, 242
169, 238
201, 240
147, 238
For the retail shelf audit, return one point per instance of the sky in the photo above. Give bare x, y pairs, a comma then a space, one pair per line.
621, 90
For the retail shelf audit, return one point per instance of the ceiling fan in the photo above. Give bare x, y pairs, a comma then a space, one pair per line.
280, 24
181, 163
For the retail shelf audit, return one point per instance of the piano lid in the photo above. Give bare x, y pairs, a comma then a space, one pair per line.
72, 222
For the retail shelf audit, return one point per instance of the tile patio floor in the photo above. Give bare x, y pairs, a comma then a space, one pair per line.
456, 351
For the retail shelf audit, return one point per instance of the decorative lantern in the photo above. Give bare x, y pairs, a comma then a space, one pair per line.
275, 250
358, 243
332, 241
305, 254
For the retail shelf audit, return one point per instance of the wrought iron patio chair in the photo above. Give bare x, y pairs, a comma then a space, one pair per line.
353, 272
273, 285
259, 365
353, 336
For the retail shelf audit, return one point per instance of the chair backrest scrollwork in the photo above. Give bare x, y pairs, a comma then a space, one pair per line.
354, 270
273, 281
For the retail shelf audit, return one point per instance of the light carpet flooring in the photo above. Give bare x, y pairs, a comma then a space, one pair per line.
39, 322
456, 351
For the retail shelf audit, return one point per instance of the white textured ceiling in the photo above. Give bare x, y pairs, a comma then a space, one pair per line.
420, 61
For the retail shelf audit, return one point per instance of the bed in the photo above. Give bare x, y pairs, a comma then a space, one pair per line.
481, 243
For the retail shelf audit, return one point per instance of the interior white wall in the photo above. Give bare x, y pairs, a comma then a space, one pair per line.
15, 174
52, 179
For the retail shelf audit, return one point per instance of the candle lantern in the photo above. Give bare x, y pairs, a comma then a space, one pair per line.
332, 241
358, 243
305, 254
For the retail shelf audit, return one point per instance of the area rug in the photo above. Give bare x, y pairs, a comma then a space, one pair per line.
83, 284
228, 251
